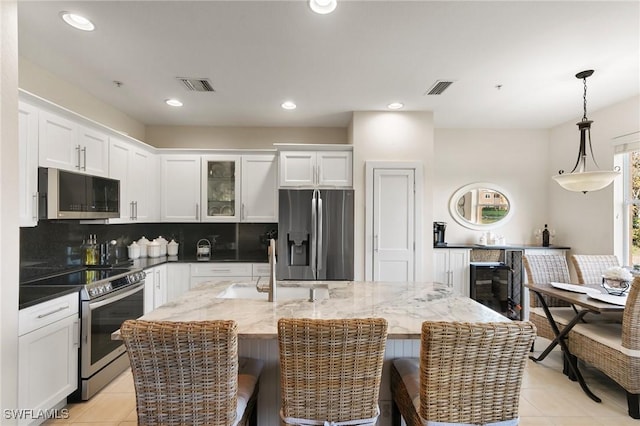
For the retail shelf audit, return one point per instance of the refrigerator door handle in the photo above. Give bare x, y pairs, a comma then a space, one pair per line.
314, 224
320, 235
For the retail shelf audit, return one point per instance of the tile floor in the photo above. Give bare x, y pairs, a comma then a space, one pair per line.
547, 398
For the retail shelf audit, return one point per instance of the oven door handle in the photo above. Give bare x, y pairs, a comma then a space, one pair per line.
120, 296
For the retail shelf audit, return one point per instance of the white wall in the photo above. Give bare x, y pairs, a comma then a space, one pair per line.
392, 136
586, 221
516, 160
52, 88
241, 137
9, 235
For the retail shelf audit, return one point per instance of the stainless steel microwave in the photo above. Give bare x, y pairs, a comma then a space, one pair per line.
70, 195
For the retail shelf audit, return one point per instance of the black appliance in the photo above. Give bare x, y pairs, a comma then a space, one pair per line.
315, 234
493, 285
438, 234
108, 297
69, 195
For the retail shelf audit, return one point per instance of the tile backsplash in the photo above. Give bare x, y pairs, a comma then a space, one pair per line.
57, 243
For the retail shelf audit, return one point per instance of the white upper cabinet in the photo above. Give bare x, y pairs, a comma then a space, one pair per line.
329, 169
65, 144
28, 167
94, 150
180, 188
137, 171
220, 184
259, 188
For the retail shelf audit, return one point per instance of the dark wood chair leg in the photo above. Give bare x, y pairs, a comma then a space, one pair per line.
396, 418
633, 400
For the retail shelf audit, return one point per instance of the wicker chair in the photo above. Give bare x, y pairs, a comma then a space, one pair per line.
614, 348
189, 373
330, 370
589, 267
543, 269
467, 373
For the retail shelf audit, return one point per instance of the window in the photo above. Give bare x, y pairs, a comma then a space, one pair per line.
631, 207
626, 207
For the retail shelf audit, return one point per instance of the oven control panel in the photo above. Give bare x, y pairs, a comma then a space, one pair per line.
100, 288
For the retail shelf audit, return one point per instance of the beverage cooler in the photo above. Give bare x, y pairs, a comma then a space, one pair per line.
493, 285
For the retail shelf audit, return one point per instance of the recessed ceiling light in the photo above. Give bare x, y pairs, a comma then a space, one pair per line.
323, 6
289, 105
395, 105
77, 21
173, 102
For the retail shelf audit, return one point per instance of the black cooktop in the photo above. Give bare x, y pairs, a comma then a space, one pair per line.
82, 277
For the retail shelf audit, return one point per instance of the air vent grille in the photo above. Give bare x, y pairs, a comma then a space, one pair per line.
438, 87
196, 84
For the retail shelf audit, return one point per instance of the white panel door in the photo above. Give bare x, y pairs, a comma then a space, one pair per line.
58, 144
94, 150
28, 160
259, 189
297, 168
180, 188
393, 225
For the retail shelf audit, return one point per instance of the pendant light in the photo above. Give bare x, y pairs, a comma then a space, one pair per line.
580, 180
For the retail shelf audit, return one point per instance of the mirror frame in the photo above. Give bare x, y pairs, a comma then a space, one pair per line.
453, 204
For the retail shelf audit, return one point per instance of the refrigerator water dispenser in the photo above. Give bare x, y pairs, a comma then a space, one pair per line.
298, 245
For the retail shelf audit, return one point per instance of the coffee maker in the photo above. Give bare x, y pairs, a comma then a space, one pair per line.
438, 234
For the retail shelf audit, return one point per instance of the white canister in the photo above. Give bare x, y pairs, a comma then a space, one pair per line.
163, 245
134, 250
143, 242
153, 249
172, 248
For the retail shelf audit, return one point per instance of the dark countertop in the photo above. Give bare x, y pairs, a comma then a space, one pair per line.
149, 262
30, 295
507, 247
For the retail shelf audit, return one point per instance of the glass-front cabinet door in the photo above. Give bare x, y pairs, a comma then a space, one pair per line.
221, 188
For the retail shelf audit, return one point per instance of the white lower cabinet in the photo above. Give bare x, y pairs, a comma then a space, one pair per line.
178, 280
155, 287
451, 267
48, 343
223, 271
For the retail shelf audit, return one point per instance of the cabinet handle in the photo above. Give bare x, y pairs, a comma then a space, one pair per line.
35, 206
135, 215
197, 211
61, 308
131, 214
76, 333
84, 153
221, 270
375, 243
78, 162
243, 214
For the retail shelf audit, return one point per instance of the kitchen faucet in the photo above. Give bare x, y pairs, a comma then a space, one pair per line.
272, 272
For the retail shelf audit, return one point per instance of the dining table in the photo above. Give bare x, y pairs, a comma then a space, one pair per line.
585, 299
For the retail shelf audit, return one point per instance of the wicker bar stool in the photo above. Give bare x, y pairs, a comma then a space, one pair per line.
330, 370
188, 373
590, 267
469, 373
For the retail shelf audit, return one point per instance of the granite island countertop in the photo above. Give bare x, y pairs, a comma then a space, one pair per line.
404, 305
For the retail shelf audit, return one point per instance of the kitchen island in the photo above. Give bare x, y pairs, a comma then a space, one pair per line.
404, 305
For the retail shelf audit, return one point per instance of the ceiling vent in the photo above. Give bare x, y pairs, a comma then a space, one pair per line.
438, 87
197, 84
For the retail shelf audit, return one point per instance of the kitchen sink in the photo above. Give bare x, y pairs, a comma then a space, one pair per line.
249, 291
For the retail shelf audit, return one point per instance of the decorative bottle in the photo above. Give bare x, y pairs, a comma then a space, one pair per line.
545, 236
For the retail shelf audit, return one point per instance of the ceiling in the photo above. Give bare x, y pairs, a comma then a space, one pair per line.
512, 63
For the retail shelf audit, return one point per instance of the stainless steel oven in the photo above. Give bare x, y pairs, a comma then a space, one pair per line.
103, 359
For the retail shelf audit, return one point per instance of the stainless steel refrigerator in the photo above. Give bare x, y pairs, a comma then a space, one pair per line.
315, 234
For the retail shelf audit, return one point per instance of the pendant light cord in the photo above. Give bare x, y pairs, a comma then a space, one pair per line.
584, 98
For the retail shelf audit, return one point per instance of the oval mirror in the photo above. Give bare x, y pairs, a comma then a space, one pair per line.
481, 206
